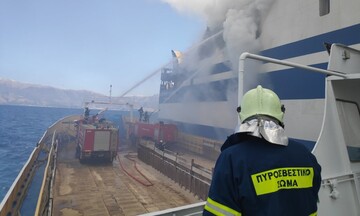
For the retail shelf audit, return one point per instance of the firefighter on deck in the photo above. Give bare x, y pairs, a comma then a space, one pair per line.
260, 171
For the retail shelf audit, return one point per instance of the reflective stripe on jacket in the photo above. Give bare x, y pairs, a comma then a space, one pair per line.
219, 209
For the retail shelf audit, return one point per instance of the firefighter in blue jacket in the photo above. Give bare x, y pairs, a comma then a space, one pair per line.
260, 171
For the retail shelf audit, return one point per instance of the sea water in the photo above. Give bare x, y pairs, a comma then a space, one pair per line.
21, 127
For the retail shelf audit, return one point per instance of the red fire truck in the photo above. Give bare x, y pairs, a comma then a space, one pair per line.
97, 140
162, 134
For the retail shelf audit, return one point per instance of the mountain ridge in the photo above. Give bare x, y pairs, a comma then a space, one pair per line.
13, 92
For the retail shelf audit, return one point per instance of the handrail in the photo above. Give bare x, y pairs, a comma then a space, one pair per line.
12, 201
19, 185
46, 173
13, 198
247, 55
49, 173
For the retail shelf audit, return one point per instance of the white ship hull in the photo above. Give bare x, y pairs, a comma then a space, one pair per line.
291, 30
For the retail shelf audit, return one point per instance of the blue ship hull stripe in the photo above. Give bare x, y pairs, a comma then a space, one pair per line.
295, 83
348, 36
290, 84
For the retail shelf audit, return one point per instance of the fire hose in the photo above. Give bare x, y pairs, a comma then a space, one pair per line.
129, 157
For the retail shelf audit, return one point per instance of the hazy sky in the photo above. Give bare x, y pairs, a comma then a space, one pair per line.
90, 44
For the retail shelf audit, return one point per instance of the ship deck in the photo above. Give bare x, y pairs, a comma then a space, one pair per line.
107, 189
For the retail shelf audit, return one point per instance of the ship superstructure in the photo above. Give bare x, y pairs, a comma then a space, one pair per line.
202, 99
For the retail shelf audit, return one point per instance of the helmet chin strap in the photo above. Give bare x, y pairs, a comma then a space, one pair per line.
264, 127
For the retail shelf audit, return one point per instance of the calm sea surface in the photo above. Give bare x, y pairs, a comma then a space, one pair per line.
21, 127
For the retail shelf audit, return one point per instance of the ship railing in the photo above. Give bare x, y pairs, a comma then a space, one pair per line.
45, 195
191, 176
12, 202
208, 148
45, 200
247, 55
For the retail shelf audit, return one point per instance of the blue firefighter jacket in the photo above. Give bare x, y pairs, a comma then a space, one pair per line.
253, 177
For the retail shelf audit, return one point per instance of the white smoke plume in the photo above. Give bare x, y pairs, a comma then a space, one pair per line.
239, 20
233, 27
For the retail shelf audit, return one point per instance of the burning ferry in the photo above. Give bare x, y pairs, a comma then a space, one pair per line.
308, 53
200, 91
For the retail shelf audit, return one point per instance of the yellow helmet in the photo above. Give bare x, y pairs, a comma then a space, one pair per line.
261, 101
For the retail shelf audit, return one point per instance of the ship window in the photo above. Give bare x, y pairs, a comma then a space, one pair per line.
324, 7
349, 114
